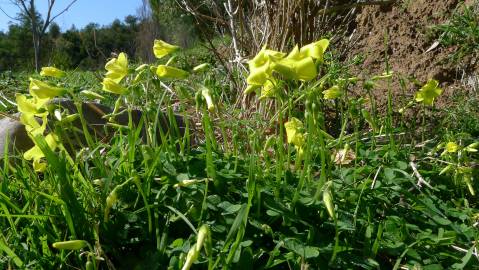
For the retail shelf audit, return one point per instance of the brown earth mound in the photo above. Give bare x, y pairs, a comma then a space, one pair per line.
410, 47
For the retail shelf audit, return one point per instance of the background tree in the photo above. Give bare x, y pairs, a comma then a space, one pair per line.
38, 25
15, 47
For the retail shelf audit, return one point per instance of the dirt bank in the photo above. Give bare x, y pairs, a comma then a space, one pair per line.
403, 30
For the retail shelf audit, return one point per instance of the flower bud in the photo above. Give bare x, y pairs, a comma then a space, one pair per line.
164, 71
328, 200
190, 258
52, 72
202, 67
70, 245
91, 95
202, 235
209, 101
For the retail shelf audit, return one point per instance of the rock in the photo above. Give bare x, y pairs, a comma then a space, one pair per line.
17, 136
93, 113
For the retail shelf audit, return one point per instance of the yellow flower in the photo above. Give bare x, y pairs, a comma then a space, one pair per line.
451, 147
250, 88
161, 48
269, 89
428, 92
205, 92
52, 72
117, 68
274, 55
110, 85
297, 66
164, 71
32, 126
294, 133
31, 111
316, 49
36, 154
43, 90
260, 67
332, 93
39, 165
29, 105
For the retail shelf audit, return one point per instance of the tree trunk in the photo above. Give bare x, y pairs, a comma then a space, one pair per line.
35, 34
37, 51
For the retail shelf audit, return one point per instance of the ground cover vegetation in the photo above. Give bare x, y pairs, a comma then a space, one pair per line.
303, 169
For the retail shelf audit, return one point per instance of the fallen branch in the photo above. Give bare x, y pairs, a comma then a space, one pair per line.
420, 179
375, 177
466, 251
334, 9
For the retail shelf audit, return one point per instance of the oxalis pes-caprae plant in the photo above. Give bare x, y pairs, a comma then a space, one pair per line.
119, 80
290, 79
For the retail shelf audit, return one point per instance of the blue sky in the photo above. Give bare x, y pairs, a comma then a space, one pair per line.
80, 14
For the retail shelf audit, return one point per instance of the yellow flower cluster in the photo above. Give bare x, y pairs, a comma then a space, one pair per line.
117, 69
299, 64
34, 114
34, 111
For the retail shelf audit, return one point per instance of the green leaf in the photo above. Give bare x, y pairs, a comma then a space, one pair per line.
302, 250
389, 174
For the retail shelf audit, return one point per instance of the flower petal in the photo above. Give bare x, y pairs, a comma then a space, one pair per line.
316, 49
52, 72
117, 68
43, 90
110, 85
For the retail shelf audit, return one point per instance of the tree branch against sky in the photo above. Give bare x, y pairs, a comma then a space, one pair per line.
38, 26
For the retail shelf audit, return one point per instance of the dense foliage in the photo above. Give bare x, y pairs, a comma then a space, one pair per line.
304, 169
249, 194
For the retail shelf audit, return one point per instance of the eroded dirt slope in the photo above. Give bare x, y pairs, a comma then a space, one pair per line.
407, 26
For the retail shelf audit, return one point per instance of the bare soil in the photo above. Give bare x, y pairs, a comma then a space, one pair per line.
403, 31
